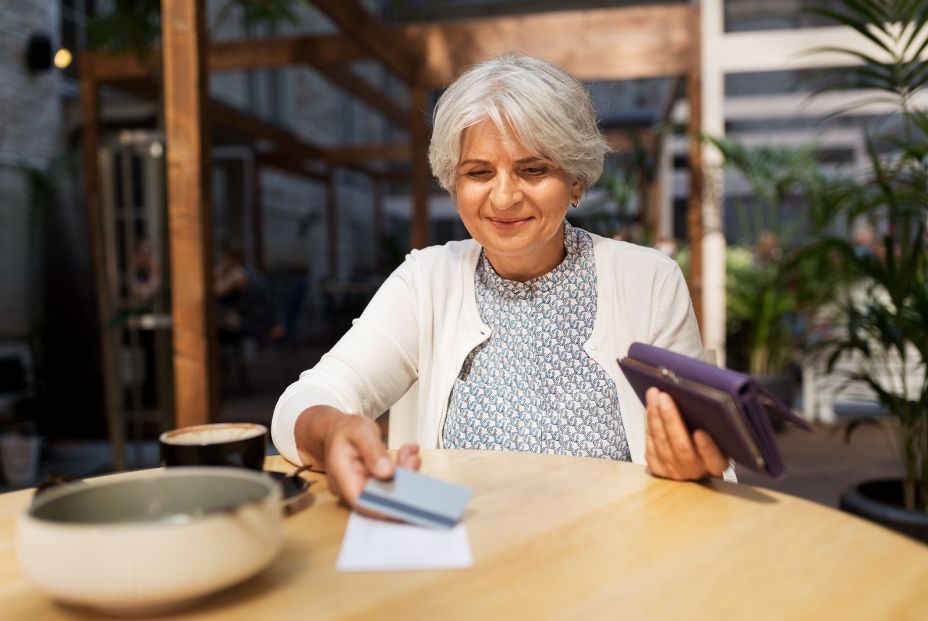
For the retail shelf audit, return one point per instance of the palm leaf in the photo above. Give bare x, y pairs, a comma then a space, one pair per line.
830, 49
859, 26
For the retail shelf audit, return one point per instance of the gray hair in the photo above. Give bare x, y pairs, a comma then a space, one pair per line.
547, 109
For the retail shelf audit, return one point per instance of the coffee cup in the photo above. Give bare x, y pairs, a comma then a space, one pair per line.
240, 445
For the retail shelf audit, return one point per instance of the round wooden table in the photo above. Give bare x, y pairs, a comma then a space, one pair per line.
570, 538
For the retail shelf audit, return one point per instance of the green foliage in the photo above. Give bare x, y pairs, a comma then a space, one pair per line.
131, 25
771, 286
886, 320
135, 25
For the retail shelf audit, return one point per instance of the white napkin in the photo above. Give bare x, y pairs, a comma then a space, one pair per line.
376, 545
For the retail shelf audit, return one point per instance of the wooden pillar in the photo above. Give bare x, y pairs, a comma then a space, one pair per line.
331, 220
655, 198
112, 391
697, 176
186, 89
418, 137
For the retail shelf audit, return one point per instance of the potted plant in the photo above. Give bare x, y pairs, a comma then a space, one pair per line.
884, 310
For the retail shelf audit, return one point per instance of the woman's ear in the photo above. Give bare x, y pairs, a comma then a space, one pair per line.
576, 192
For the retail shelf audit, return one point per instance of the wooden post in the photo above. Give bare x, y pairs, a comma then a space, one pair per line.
189, 210
112, 393
418, 148
654, 194
694, 223
331, 219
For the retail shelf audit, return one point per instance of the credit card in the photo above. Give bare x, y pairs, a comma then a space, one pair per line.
417, 499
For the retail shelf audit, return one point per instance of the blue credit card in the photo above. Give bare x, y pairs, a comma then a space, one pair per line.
417, 499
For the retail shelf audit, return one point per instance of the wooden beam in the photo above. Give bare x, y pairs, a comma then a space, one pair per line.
397, 50
694, 215
109, 372
252, 128
671, 95
363, 90
399, 152
248, 127
186, 87
325, 53
326, 50
600, 44
317, 50
418, 147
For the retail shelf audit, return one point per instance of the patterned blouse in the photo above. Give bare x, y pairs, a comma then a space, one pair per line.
531, 386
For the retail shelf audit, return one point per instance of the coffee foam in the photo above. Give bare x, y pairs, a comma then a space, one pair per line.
208, 434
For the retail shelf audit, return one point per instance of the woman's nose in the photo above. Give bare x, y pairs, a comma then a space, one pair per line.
505, 192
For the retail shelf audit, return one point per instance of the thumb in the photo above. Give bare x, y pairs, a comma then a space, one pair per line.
372, 451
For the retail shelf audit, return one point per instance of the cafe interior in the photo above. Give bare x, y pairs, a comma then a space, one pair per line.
201, 196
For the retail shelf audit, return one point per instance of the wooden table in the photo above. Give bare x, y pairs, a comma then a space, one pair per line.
569, 538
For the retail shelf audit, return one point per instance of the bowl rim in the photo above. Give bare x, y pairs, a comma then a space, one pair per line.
164, 437
272, 491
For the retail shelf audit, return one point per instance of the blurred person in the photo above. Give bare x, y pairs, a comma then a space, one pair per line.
244, 299
146, 281
767, 249
512, 335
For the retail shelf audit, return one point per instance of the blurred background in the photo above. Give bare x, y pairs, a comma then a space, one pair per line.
775, 148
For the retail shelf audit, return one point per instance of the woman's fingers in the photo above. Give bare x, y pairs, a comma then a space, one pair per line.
660, 442
677, 435
655, 465
713, 458
671, 451
354, 452
408, 457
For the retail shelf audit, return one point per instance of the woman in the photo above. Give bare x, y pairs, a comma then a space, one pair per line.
513, 335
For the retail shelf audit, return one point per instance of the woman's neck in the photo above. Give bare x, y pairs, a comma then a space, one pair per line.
522, 268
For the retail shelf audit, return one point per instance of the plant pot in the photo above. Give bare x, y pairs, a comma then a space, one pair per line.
881, 501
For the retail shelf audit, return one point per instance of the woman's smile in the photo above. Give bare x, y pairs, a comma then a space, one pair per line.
509, 224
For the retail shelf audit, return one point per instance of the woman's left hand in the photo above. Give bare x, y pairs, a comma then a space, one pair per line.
671, 452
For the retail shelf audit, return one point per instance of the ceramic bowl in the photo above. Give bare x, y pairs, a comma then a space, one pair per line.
150, 541
219, 444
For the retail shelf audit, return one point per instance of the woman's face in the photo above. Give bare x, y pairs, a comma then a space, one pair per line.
512, 201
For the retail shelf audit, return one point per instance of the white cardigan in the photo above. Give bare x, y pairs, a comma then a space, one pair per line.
424, 318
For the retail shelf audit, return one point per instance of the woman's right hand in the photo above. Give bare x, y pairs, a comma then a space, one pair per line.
350, 450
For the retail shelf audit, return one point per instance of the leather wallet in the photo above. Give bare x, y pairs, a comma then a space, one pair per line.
730, 406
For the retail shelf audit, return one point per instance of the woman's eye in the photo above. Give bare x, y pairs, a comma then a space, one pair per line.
535, 171
478, 174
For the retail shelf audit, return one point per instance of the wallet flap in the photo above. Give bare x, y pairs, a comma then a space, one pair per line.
725, 380
763, 433
775, 408
734, 383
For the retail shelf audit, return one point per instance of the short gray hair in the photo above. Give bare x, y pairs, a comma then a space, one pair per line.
547, 109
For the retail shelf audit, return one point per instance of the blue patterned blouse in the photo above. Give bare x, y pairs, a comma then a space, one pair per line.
531, 386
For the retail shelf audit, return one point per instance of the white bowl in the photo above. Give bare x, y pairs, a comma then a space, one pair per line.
150, 541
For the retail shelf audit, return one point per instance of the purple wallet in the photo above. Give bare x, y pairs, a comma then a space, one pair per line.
730, 406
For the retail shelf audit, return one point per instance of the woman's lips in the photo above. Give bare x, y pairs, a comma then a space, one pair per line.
508, 224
